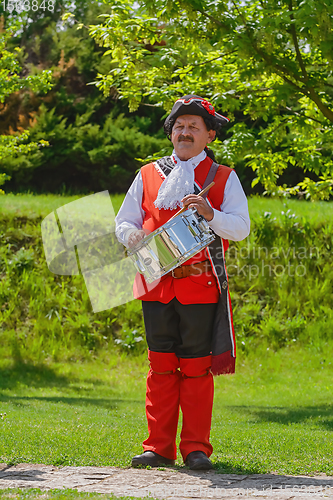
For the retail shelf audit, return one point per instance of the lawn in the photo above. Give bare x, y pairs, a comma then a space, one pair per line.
274, 415
315, 212
33, 206
41, 205
71, 395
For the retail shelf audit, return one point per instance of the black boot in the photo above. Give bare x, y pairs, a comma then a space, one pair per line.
151, 458
198, 460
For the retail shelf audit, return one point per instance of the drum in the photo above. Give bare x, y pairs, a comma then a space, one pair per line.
171, 245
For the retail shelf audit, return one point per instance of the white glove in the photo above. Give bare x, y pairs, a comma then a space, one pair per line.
135, 237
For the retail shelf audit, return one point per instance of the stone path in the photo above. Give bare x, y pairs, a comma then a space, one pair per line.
166, 484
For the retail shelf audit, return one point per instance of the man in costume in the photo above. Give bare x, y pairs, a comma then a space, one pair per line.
187, 315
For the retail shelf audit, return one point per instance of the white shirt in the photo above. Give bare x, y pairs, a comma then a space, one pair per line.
231, 222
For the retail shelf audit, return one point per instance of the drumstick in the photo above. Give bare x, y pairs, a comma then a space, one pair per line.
200, 194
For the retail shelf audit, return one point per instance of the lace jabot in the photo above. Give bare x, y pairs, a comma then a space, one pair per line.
178, 183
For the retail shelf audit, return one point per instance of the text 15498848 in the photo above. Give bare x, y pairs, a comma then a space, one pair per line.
26, 5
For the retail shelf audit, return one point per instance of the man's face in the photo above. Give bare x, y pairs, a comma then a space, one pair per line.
189, 136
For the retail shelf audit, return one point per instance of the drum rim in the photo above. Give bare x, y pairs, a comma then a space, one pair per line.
158, 230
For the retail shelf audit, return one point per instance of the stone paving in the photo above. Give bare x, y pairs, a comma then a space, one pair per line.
166, 483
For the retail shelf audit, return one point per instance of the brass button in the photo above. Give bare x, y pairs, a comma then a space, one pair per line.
209, 282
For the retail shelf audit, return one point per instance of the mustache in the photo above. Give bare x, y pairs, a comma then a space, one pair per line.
185, 138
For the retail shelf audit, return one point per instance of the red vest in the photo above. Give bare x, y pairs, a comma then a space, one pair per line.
198, 289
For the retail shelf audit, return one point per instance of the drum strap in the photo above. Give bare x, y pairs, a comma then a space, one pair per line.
210, 176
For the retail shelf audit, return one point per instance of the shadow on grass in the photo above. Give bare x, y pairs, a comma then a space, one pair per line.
221, 467
107, 404
21, 375
319, 415
226, 468
40, 376
36, 376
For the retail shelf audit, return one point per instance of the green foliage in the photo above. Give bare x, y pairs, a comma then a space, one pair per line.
266, 64
93, 144
131, 340
10, 82
45, 315
10, 79
280, 281
84, 155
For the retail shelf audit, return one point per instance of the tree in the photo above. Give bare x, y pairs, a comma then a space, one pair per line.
267, 64
74, 117
11, 81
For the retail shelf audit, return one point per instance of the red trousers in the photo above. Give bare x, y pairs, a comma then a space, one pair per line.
174, 383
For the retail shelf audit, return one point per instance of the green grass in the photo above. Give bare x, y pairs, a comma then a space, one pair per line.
45, 316
33, 206
70, 396
315, 212
274, 415
41, 205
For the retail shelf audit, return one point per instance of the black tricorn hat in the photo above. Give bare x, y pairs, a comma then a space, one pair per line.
195, 105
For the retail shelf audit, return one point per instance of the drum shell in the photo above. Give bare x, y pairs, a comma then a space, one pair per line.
171, 245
